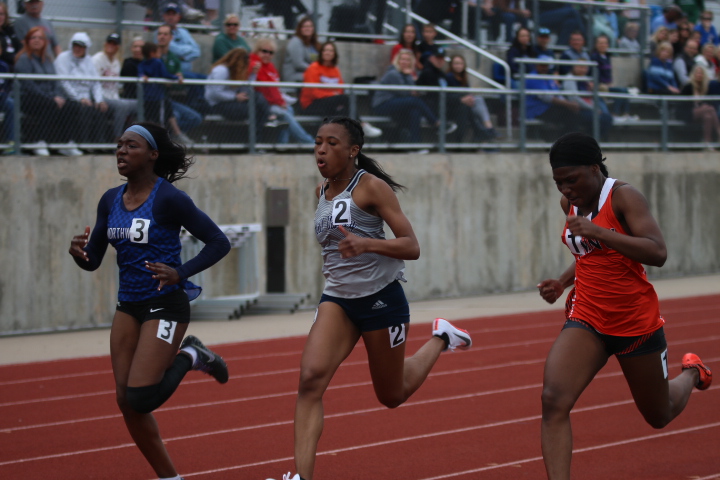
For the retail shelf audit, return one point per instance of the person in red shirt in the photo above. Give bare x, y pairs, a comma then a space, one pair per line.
261, 65
612, 309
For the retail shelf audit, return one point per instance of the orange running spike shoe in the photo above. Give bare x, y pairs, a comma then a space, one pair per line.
690, 360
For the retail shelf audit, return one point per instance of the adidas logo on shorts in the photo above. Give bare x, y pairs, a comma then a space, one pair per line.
379, 304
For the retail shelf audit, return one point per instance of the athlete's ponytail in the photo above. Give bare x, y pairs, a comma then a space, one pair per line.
172, 163
357, 137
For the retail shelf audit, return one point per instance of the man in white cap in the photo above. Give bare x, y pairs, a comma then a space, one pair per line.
107, 64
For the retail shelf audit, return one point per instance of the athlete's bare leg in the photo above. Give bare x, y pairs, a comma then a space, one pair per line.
331, 339
574, 359
139, 359
658, 399
395, 377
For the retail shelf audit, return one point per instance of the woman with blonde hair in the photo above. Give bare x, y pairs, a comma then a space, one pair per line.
231, 101
702, 111
229, 38
660, 75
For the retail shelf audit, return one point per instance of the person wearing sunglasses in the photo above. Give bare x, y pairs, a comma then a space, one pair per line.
708, 33
262, 67
229, 38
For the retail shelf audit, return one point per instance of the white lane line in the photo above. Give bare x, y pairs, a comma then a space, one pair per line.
414, 338
582, 450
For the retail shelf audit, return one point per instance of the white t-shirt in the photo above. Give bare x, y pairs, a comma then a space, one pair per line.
107, 68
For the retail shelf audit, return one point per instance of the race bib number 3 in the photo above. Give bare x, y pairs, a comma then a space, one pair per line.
397, 334
139, 230
166, 331
341, 212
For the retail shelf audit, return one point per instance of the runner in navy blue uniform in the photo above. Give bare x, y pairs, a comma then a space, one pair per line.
142, 220
363, 297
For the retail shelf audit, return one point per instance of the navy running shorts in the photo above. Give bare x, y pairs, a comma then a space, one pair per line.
634, 346
172, 307
384, 309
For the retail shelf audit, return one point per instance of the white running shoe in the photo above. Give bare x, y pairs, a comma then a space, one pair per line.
453, 336
42, 149
370, 132
288, 477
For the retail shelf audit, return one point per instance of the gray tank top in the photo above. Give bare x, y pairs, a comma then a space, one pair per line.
359, 276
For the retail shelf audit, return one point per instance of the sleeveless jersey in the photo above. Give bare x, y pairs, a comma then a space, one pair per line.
611, 291
137, 237
364, 274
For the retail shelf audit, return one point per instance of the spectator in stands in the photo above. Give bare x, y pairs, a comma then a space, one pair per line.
9, 43
301, 50
662, 34
157, 106
261, 64
183, 44
328, 101
408, 41
184, 114
230, 101
508, 13
600, 55
674, 39
708, 33
691, 8
107, 64
481, 121
685, 62
605, 22
703, 111
9, 47
33, 18
562, 19
660, 76
586, 104
575, 51
671, 14
130, 67
290, 10
629, 39
77, 63
554, 108
684, 29
521, 48
230, 38
403, 106
433, 75
629, 16
429, 33
708, 60
54, 114
542, 44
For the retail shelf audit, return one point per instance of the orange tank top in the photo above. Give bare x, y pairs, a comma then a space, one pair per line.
612, 292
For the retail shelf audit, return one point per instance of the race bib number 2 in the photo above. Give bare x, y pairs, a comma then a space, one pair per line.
341, 212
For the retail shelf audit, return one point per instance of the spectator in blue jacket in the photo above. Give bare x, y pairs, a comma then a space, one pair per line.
708, 33
660, 75
158, 107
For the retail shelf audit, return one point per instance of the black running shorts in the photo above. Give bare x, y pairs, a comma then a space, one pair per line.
172, 307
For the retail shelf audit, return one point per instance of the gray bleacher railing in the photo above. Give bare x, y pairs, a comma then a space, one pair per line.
478, 51
667, 130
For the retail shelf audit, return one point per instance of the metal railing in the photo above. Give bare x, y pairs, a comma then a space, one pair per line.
663, 125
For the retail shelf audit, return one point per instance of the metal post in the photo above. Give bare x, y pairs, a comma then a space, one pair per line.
442, 105
315, 16
119, 13
16, 111
664, 127
222, 10
353, 103
643, 38
536, 13
523, 108
140, 101
252, 120
596, 104
478, 30
408, 9
464, 26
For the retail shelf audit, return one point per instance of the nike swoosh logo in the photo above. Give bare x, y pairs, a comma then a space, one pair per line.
153, 310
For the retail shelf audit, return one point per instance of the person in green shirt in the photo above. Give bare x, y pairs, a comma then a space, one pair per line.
230, 38
691, 8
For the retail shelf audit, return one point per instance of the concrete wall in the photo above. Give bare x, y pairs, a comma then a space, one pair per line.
486, 223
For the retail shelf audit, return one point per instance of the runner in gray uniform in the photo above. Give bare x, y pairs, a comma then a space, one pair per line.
363, 297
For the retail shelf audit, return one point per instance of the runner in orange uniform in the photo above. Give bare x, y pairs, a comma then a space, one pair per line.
612, 309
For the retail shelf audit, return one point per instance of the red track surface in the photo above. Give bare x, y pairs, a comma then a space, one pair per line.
477, 415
